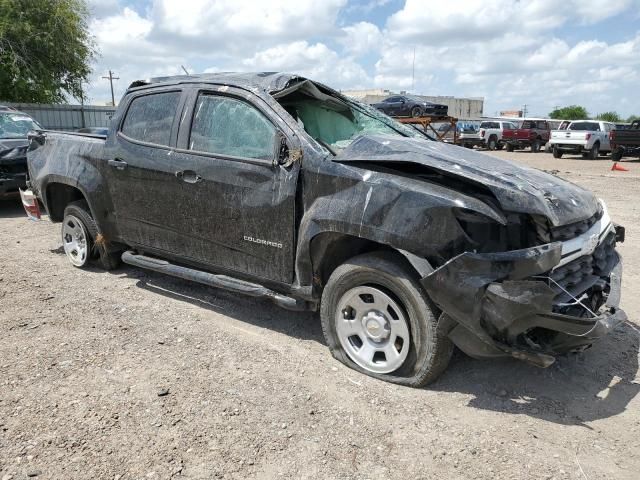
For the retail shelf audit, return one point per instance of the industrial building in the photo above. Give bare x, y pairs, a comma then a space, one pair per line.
463, 108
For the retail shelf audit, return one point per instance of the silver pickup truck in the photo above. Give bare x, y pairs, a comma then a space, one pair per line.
587, 137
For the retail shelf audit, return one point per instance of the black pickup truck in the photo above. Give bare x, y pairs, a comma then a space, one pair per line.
626, 142
276, 186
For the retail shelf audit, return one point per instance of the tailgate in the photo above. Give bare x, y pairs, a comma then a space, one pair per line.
571, 135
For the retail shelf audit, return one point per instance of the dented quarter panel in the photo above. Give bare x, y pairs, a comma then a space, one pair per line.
77, 161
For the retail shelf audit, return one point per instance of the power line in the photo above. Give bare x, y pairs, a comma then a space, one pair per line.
111, 78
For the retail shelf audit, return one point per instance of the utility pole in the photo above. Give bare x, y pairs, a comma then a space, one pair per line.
524, 111
111, 78
413, 71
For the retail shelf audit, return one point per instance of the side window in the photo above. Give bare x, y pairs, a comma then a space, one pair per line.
230, 127
149, 118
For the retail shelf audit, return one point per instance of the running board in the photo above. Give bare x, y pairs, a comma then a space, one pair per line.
212, 280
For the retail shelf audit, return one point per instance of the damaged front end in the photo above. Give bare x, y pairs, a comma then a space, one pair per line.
534, 303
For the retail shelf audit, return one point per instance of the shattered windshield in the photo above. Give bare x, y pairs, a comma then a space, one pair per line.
335, 123
16, 125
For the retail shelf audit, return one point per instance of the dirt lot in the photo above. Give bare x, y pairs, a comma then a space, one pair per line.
130, 375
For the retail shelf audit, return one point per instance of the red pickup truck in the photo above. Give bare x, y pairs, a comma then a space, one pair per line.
532, 133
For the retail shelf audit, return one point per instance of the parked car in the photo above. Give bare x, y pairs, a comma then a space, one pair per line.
490, 133
282, 188
531, 133
410, 106
14, 127
625, 142
587, 137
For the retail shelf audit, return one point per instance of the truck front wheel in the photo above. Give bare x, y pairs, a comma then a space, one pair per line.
377, 319
80, 238
616, 155
509, 147
535, 146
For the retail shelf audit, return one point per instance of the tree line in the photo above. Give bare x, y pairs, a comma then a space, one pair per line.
578, 112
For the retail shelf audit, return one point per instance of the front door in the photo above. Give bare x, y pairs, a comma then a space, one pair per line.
234, 205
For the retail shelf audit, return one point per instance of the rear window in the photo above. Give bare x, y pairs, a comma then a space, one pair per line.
149, 118
489, 125
585, 126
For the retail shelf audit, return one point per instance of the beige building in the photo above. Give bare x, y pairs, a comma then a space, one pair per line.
463, 108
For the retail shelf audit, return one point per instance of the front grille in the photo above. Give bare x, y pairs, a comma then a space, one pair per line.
573, 230
576, 277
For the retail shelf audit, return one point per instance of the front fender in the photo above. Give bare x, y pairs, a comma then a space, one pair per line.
403, 213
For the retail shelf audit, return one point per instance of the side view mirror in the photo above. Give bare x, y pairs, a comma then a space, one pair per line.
283, 149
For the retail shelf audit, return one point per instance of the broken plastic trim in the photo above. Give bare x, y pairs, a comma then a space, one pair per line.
492, 299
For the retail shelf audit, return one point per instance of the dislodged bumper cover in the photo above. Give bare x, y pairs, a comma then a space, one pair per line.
493, 300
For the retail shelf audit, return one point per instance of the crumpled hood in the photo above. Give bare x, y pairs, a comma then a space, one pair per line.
8, 144
517, 188
11, 143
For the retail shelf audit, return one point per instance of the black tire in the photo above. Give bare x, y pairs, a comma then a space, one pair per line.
107, 259
429, 351
509, 147
557, 153
416, 112
492, 143
594, 152
617, 154
535, 146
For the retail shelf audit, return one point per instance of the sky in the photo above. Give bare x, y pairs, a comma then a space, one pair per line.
542, 53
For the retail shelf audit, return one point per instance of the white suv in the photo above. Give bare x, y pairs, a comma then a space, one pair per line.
588, 137
491, 133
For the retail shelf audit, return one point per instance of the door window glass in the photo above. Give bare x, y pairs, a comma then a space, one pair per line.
231, 127
150, 117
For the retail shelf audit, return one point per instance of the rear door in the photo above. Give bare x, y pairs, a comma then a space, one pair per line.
140, 172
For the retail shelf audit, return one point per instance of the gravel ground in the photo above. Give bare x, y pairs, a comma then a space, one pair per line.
130, 375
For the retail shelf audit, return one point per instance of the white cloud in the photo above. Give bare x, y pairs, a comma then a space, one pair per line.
512, 52
361, 38
316, 61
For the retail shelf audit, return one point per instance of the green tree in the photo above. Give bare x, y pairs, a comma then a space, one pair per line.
573, 112
632, 118
45, 50
609, 117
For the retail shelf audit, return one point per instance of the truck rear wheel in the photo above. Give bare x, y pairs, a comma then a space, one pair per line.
79, 235
557, 153
492, 144
594, 152
377, 319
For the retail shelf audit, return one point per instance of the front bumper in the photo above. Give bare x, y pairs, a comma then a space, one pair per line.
505, 304
570, 147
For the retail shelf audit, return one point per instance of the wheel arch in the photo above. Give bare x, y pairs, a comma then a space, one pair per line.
58, 194
329, 250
